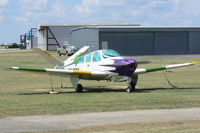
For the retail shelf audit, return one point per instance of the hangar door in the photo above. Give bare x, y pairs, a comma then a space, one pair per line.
129, 43
194, 42
171, 43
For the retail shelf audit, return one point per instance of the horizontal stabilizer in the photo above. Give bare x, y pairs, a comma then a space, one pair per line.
48, 56
143, 62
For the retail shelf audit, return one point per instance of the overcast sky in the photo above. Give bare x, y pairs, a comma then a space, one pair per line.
18, 16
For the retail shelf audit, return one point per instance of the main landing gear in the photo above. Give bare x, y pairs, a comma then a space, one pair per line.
132, 81
79, 88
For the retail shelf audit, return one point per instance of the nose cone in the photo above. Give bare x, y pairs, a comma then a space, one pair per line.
125, 67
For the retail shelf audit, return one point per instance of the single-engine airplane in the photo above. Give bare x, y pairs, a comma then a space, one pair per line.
103, 64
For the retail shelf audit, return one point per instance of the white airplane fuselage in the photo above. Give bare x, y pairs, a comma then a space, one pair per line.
108, 67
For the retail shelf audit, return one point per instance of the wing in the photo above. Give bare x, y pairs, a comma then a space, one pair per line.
158, 68
60, 72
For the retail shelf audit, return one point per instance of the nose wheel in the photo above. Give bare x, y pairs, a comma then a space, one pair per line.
132, 81
131, 87
79, 88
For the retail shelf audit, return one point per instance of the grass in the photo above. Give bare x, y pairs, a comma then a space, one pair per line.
2, 47
142, 127
24, 93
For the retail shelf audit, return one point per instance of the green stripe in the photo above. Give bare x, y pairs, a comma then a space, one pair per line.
76, 59
150, 69
32, 69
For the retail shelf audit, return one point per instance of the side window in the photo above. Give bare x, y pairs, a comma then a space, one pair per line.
81, 60
96, 57
88, 57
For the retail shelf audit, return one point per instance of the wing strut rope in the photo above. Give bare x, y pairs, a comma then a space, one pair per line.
61, 86
172, 85
52, 89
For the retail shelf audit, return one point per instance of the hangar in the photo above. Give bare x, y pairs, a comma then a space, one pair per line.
138, 40
51, 36
127, 39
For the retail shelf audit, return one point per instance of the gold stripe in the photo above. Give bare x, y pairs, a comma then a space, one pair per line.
193, 63
81, 72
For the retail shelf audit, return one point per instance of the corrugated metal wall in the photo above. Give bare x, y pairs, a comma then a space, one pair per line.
35, 42
171, 43
129, 43
62, 34
84, 37
42, 43
150, 43
138, 41
194, 41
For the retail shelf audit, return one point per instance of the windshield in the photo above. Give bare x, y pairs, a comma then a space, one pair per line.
110, 53
70, 46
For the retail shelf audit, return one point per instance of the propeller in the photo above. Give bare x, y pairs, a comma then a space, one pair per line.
143, 62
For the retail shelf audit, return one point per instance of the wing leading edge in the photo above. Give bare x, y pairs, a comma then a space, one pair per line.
158, 68
60, 71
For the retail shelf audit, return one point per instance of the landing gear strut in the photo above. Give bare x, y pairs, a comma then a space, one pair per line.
132, 81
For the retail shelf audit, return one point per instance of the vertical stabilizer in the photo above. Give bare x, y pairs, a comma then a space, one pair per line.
72, 59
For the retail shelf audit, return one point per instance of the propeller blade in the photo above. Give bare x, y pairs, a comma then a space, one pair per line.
143, 62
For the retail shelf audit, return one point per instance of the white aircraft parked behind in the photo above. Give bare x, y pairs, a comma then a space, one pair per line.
104, 64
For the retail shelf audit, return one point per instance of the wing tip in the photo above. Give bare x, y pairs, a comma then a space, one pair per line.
13, 67
193, 63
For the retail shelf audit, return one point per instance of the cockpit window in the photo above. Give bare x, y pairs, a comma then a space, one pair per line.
110, 53
81, 60
96, 57
70, 46
88, 57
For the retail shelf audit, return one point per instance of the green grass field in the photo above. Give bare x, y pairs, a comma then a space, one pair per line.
2, 47
24, 93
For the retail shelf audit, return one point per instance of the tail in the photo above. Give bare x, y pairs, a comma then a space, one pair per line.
74, 58
48, 56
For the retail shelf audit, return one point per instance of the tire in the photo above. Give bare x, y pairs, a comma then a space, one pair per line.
131, 87
79, 88
59, 53
129, 90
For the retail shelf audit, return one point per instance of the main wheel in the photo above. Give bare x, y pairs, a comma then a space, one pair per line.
79, 88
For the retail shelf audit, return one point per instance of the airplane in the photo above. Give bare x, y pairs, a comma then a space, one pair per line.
105, 64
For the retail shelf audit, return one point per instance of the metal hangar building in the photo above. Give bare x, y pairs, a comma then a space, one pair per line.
127, 39
138, 40
51, 36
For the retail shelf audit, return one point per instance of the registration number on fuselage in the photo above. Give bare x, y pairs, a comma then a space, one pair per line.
73, 68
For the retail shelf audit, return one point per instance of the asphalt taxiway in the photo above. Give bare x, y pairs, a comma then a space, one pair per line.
78, 121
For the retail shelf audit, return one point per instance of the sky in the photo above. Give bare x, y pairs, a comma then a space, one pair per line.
18, 16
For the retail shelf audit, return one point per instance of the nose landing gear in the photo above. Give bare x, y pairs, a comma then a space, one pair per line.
132, 81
